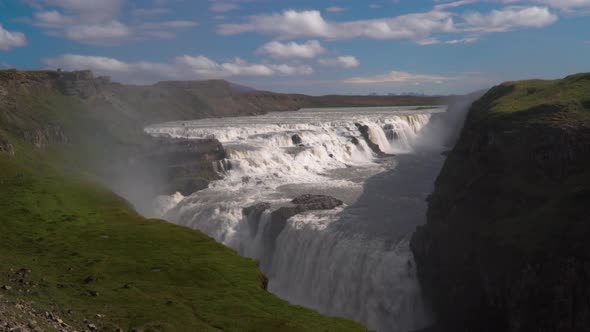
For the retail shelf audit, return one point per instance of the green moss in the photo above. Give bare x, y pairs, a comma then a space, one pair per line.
537, 101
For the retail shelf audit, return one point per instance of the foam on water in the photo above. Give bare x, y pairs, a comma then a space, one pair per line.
312, 260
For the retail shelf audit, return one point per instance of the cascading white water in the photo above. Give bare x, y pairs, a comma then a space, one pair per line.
319, 259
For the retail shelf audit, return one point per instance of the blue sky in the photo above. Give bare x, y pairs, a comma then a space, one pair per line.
314, 47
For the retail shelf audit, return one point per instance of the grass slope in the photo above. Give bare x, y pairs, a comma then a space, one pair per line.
58, 222
564, 101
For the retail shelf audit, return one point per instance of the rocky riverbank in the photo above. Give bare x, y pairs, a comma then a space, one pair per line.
505, 247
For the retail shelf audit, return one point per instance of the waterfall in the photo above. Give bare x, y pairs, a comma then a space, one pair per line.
312, 260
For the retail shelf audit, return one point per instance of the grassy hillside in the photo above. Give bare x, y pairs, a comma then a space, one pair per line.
72, 247
535, 101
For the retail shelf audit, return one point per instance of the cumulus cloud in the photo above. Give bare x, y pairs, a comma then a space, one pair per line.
509, 19
420, 27
9, 40
184, 67
90, 11
310, 23
105, 32
346, 61
99, 22
398, 77
291, 50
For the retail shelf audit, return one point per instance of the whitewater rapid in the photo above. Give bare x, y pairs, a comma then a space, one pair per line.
353, 261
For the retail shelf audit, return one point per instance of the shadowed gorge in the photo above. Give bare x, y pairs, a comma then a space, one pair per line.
505, 247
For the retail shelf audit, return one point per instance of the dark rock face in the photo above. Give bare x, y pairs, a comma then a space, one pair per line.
6, 146
309, 202
364, 129
296, 140
280, 216
302, 204
42, 137
187, 164
506, 244
80, 83
254, 213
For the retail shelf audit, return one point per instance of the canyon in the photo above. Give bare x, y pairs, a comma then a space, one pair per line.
389, 211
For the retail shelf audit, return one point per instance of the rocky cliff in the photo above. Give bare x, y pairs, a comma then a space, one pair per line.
506, 244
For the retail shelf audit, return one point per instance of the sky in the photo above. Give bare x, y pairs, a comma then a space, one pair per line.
304, 46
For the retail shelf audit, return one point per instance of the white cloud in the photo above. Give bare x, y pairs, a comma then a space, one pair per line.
52, 18
565, 5
290, 23
435, 41
98, 22
454, 4
9, 40
467, 40
341, 61
335, 9
91, 11
300, 24
98, 32
420, 27
307, 50
510, 18
398, 77
184, 67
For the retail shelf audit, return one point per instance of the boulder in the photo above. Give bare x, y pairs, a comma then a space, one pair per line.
309, 202
90, 279
297, 140
6, 146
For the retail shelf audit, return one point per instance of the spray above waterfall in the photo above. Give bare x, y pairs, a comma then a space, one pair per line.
313, 258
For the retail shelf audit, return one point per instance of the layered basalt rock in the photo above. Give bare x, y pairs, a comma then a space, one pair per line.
186, 165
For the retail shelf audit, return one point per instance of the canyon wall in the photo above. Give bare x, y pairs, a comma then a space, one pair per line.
506, 244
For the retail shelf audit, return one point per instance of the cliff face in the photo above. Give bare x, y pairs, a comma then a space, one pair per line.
506, 244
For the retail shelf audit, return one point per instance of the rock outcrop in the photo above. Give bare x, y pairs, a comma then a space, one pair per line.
506, 244
297, 140
187, 164
6, 146
364, 129
279, 217
45, 135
